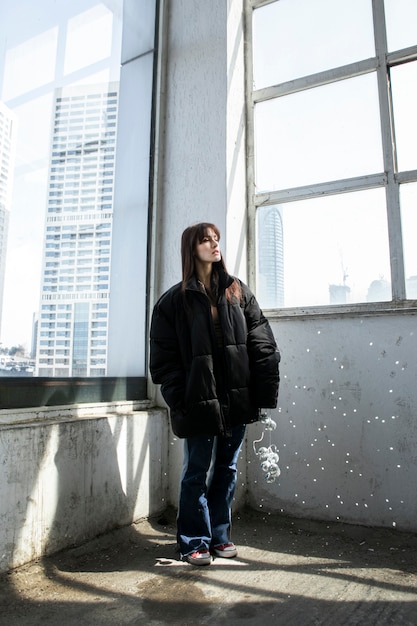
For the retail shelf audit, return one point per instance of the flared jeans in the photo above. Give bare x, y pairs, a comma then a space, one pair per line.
208, 483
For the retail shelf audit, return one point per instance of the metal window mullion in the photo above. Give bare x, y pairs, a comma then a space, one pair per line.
388, 146
256, 4
319, 79
320, 189
402, 56
406, 177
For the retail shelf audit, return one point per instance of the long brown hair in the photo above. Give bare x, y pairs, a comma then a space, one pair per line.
192, 236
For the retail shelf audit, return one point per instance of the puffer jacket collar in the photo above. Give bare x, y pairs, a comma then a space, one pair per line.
225, 280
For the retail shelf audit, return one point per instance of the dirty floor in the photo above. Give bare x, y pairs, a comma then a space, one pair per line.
288, 572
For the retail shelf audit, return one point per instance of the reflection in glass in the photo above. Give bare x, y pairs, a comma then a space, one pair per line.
331, 250
404, 95
294, 38
80, 342
323, 134
30, 64
82, 31
401, 19
59, 79
79, 224
408, 198
7, 163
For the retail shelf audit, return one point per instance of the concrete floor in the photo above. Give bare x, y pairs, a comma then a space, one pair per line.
288, 571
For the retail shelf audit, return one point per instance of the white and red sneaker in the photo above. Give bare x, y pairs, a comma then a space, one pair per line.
200, 557
225, 550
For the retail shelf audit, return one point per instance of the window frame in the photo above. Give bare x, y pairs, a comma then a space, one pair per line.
20, 392
390, 179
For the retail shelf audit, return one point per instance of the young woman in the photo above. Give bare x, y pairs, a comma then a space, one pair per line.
215, 357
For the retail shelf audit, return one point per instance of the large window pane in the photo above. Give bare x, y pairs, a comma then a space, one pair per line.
408, 196
404, 94
401, 19
323, 134
59, 83
330, 250
294, 38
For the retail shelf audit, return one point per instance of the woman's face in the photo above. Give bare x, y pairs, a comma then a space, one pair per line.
208, 251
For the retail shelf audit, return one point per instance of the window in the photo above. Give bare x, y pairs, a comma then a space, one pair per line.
332, 91
76, 86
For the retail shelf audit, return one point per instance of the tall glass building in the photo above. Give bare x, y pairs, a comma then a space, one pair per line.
73, 317
270, 278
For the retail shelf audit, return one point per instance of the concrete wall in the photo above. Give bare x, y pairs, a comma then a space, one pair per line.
346, 423
202, 155
66, 479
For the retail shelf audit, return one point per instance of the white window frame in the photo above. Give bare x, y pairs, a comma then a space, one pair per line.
390, 178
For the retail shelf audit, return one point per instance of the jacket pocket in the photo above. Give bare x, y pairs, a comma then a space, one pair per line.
202, 419
200, 383
173, 393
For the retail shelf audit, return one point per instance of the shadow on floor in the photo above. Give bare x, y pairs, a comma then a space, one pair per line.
288, 571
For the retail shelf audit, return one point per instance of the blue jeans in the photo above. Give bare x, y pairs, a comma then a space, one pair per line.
207, 488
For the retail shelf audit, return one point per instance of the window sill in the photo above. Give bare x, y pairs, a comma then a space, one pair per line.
30, 416
404, 307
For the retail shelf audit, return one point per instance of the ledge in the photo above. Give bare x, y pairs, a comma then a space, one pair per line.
402, 307
72, 412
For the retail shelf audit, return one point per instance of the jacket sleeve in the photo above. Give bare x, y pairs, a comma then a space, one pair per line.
264, 356
165, 358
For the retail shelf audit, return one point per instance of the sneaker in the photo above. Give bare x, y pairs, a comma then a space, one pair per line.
200, 557
225, 550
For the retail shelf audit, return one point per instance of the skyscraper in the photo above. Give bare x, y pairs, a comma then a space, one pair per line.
73, 317
7, 149
270, 282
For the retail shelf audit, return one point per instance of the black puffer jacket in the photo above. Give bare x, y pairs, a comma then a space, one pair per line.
209, 390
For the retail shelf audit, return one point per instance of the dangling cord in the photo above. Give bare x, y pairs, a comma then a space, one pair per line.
268, 455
